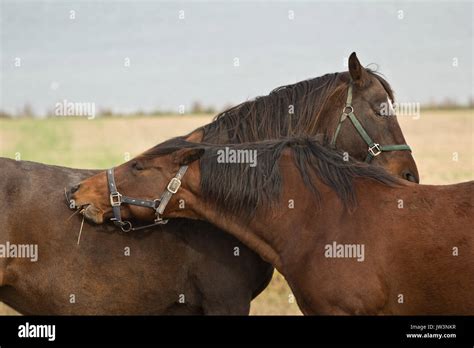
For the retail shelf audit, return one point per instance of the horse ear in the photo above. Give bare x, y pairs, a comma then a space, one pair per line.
357, 71
184, 157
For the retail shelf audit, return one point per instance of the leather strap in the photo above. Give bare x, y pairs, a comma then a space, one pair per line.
374, 149
117, 199
347, 107
159, 205
400, 147
171, 189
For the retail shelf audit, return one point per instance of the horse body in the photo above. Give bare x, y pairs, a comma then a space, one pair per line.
410, 266
409, 233
186, 268
354, 240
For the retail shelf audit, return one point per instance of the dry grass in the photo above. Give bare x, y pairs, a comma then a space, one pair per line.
435, 138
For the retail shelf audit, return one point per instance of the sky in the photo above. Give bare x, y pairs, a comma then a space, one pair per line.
143, 55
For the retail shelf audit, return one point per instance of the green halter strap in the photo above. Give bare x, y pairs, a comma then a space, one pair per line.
374, 148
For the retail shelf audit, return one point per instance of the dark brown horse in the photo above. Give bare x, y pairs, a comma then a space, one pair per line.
313, 108
189, 267
355, 240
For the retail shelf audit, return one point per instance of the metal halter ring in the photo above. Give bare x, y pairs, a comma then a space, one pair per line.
126, 223
348, 107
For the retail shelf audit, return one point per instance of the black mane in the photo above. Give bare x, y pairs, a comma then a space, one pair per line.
269, 117
240, 188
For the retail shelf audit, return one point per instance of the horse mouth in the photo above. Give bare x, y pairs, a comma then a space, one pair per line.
91, 213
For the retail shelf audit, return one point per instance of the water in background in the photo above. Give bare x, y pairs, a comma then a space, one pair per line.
221, 53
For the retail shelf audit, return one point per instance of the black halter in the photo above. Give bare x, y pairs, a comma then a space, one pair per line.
159, 205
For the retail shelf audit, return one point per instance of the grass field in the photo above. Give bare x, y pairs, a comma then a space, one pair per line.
442, 143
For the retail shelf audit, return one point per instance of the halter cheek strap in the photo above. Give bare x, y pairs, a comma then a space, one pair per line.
171, 189
159, 205
374, 149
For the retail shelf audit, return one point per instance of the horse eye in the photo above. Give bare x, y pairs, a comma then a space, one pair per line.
137, 166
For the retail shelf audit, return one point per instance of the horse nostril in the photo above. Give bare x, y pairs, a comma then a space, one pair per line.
410, 177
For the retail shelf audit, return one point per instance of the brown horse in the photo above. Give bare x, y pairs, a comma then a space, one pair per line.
196, 270
348, 237
321, 107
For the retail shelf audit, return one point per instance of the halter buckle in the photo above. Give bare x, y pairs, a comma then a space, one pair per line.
174, 185
375, 150
115, 199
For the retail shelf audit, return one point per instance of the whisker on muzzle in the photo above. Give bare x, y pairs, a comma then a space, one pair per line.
80, 230
77, 211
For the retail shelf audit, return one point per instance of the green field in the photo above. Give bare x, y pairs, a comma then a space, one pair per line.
442, 143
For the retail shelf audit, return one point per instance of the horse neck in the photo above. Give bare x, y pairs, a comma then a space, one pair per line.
297, 222
271, 233
251, 233
284, 239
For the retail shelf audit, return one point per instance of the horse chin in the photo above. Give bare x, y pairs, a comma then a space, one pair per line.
93, 214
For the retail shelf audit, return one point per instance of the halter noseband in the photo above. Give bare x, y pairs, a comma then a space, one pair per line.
159, 205
374, 149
